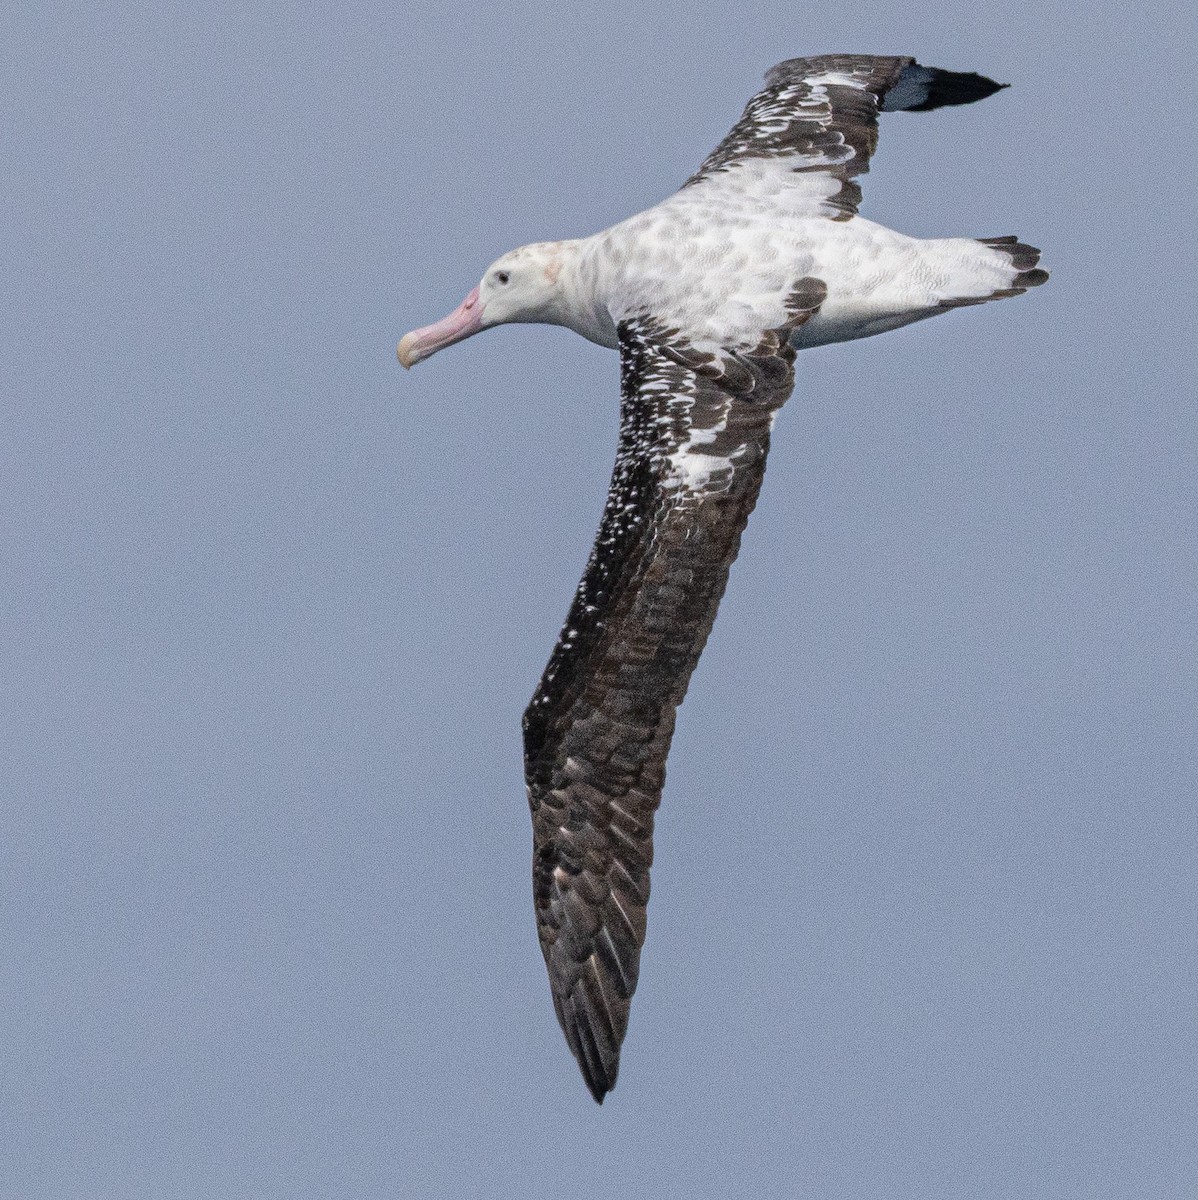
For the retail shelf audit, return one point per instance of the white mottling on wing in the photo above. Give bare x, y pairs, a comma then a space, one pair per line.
836, 79
694, 471
693, 468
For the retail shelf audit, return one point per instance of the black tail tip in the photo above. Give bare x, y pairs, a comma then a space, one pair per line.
956, 87
1023, 256
1027, 279
1024, 259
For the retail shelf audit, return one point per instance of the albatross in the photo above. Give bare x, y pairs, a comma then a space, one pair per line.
708, 296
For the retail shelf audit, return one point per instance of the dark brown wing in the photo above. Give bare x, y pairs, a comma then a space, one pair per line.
820, 116
694, 431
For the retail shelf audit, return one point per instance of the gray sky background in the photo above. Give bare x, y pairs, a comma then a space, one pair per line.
924, 905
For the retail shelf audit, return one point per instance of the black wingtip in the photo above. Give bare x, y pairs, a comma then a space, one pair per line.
955, 87
595, 1051
600, 1077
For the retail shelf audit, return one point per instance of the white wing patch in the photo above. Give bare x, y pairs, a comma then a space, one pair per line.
693, 468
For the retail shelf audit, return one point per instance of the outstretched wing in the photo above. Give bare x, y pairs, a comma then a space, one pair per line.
819, 117
694, 431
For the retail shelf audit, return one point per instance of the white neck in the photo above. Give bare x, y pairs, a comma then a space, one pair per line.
579, 303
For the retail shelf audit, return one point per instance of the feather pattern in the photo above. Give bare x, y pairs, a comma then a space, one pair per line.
820, 115
707, 295
694, 433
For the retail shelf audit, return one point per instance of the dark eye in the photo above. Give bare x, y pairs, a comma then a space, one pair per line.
502, 276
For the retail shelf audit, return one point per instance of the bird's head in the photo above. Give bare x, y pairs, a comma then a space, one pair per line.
523, 285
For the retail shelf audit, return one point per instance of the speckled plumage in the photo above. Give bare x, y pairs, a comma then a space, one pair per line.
708, 296
694, 432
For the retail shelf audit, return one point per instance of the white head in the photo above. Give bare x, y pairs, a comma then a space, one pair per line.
523, 285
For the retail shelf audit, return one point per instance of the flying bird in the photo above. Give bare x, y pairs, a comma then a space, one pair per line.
707, 296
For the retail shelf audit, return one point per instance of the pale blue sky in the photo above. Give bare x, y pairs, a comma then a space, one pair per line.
924, 905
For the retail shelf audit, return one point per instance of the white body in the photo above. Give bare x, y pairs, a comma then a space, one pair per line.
715, 264
716, 261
